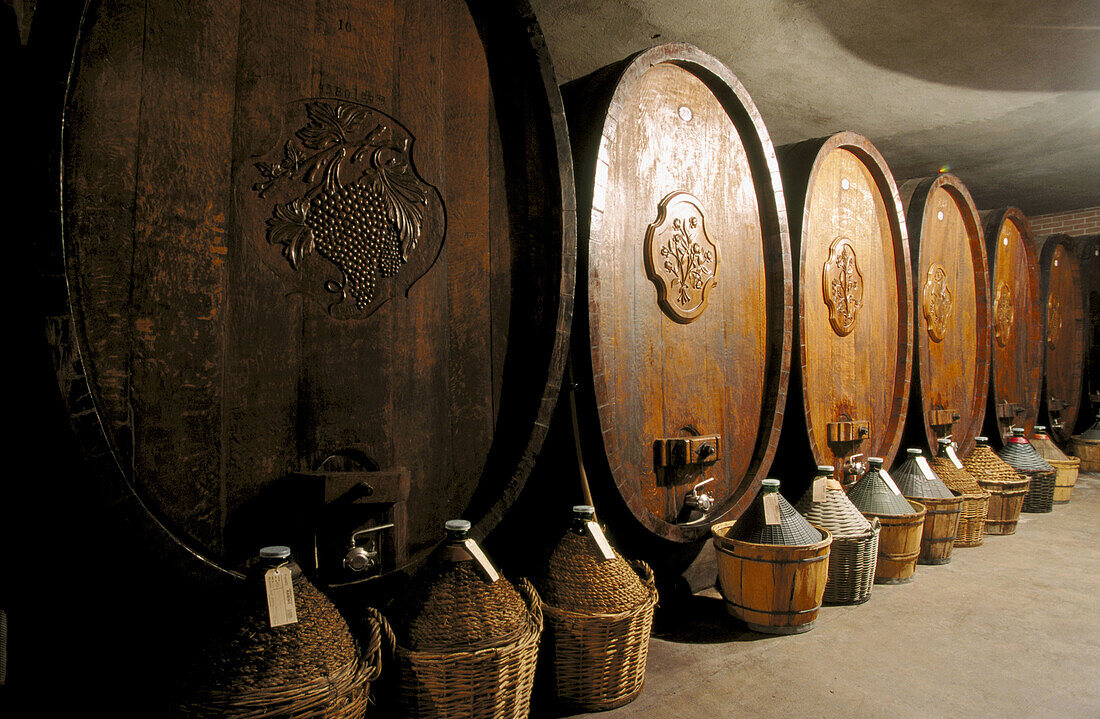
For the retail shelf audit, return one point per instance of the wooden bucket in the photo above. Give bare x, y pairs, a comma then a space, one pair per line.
773, 589
1088, 451
677, 383
323, 252
899, 545
1063, 315
1006, 501
951, 308
1065, 478
1016, 370
941, 523
853, 332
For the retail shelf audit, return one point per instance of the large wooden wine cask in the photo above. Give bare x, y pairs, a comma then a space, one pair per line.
682, 333
1063, 314
1088, 253
854, 320
951, 312
1016, 369
320, 264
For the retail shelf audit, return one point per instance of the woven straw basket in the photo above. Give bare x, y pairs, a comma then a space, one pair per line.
852, 562
1006, 486
487, 683
1065, 478
342, 694
598, 661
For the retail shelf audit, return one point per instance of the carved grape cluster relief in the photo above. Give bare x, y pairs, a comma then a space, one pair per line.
1054, 322
680, 258
351, 193
937, 302
842, 286
1004, 314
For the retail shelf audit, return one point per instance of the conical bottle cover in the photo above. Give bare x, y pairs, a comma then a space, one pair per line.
1093, 432
450, 604
1019, 453
955, 477
876, 492
1046, 447
791, 529
577, 577
836, 513
917, 480
985, 466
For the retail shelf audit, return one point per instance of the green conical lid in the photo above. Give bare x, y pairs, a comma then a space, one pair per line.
793, 529
917, 480
876, 492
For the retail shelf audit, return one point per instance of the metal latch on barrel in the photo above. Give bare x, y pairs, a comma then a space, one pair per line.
847, 431
675, 451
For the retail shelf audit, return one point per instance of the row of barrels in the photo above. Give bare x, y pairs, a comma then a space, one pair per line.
331, 278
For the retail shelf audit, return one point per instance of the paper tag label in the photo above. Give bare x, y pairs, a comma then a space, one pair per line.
771, 508
280, 597
819, 489
601, 541
481, 559
925, 468
954, 459
890, 482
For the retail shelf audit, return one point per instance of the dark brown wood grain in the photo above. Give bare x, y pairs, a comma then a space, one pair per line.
1063, 337
840, 188
951, 373
675, 120
217, 365
1016, 367
1088, 252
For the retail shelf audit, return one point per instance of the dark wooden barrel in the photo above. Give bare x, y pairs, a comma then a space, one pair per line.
1016, 368
320, 263
854, 319
1088, 253
1063, 313
951, 312
682, 336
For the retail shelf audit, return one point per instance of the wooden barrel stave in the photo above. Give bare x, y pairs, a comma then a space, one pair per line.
1062, 299
899, 545
941, 524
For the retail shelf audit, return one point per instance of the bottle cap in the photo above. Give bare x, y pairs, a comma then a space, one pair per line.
1040, 428
585, 511
457, 528
277, 551
875, 461
769, 485
825, 469
981, 440
943, 440
1017, 431
914, 452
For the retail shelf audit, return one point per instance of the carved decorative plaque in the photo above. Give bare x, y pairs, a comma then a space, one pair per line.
345, 186
937, 302
1004, 314
1054, 322
680, 259
842, 286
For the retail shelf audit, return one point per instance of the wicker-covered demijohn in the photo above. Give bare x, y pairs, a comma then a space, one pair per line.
916, 480
854, 552
1021, 456
1086, 446
1005, 485
1065, 467
975, 499
598, 614
464, 645
311, 667
902, 520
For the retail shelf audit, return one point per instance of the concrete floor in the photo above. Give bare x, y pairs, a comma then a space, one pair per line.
1010, 628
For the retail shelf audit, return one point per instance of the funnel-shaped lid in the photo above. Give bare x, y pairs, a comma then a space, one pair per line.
1046, 447
835, 512
877, 493
916, 478
1019, 453
787, 525
1093, 432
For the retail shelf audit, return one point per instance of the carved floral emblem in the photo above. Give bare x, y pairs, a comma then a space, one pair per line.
1004, 314
936, 302
680, 259
1054, 322
347, 189
842, 286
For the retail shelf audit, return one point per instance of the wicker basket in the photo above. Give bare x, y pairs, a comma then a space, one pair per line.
1005, 485
854, 553
491, 683
975, 501
1088, 451
597, 661
1065, 468
1022, 457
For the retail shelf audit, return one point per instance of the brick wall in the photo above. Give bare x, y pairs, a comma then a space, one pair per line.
1074, 223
